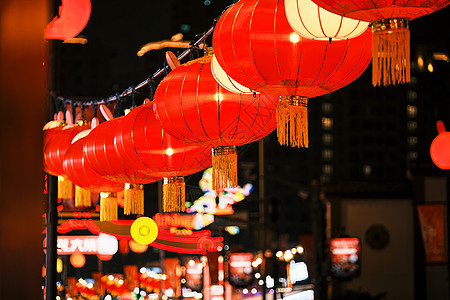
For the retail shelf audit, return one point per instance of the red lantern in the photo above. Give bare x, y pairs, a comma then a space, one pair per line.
142, 142
440, 148
255, 45
73, 17
54, 153
194, 108
389, 21
102, 156
86, 180
77, 260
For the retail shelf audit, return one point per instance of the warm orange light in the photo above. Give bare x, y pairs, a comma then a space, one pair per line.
144, 230
77, 260
136, 247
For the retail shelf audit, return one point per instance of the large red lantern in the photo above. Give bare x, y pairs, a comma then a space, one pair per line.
256, 46
440, 148
86, 180
142, 142
102, 156
54, 153
194, 108
390, 26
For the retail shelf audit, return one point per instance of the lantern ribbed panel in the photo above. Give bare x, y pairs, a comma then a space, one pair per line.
141, 140
194, 108
256, 46
102, 156
370, 11
80, 173
56, 147
313, 22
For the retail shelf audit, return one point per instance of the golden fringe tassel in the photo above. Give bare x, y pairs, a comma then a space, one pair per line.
108, 207
173, 194
65, 188
133, 202
390, 52
224, 167
292, 121
82, 197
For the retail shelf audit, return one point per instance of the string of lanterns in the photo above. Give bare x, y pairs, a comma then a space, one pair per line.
266, 62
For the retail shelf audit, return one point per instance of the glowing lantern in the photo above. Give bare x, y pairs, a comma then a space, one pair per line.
313, 22
77, 260
86, 180
54, 153
440, 148
104, 257
136, 247
144, 230
226, 81
256, 46
73, 17
390, 26
59, 265
192, 107
142, 142
102, 156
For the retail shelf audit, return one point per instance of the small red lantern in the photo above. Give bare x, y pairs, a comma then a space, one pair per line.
192, 107
77, 260
142, 142
54, 153
86, 180
102, 156
256, 46
440, 147
390, 26
136, 247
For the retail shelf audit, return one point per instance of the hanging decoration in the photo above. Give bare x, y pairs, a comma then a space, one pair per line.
147, 147
54, 153
313, 22
102, 156
144, 230
256, 46
194, 108
390, 25
440, 147
73, 17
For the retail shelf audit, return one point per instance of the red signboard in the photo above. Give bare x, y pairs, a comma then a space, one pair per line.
345, 257
431, 218
87, 244
241, 270
194, 272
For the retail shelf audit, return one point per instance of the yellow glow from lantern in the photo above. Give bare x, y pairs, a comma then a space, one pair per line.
430, 68
191, 262
420, 62
219, 97
169, 151
300, 249
288, 255
279, 254
294, 38
59, 265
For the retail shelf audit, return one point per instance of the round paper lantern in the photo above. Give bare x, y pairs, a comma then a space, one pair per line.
102, 156
142, 142
440, 148
86, 180
191, 106
77, 260
389, 21
104, 257
256, 46
54, 153
136, 247
144, 230
313, 22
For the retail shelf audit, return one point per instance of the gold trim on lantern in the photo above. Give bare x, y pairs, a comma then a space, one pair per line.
108, 207
292, 121
133, 202
389, 24
174, 194
224, 167
224, 150
209, 51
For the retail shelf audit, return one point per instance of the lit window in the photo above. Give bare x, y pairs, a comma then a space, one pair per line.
412, 141
413, 155
327, 139
412, 125
367, 170
412, 95
327, 154
327, 107
327, 169
411, 110
327, 123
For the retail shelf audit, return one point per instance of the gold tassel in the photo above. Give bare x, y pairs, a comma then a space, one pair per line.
390, 52
224, 167
108, 207
133, 202
292, 121
65, 189
173, 194
82, 197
